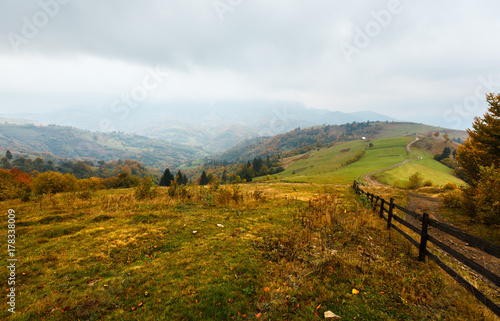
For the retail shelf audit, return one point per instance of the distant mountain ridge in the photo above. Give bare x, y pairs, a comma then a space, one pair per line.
214, 127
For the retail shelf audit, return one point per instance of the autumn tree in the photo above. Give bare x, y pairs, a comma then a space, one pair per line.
436, 134
482, 147
53, 183
479, 159
14, 184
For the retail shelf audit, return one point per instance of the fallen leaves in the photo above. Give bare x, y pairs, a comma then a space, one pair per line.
354, 291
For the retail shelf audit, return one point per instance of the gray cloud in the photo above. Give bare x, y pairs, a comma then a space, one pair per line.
428, 57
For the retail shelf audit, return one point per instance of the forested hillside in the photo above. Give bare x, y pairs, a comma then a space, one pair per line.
77, 144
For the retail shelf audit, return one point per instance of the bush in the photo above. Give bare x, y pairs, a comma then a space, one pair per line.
428, 183
415, 181
85, 195
450, 162
453, 199
91, 184
450, 186
223, 196
486, 200
146, 189
124, 180
53, 183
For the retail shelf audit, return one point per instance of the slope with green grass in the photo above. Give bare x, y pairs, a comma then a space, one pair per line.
328, 168
430, 169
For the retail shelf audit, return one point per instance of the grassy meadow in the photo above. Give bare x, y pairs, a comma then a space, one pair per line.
325, 166
274, 256
430, 169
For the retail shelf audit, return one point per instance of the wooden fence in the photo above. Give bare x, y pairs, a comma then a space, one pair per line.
383, 206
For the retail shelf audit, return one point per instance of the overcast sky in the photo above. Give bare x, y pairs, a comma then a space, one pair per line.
429, 61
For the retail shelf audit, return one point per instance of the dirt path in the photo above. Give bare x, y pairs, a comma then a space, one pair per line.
367, 178
422, 203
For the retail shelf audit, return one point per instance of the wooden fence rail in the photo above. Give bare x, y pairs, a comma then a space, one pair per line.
378, 205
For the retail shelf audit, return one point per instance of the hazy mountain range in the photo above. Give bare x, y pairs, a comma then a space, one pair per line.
214, 127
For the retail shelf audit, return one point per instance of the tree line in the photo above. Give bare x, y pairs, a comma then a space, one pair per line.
212, 172
80, 169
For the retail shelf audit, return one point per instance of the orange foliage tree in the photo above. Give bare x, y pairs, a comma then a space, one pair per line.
14, 184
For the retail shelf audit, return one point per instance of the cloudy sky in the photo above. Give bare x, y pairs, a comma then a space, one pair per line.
429, 61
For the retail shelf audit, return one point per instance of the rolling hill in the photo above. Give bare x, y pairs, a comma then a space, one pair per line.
68, 142
306, 139
342, 164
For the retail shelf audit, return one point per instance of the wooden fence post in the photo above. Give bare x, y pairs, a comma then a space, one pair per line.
389, 214
423, 237
382, 208
375, 204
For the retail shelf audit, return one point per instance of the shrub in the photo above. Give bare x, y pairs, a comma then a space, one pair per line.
427, 183
397, 184
53, 183
450, 162
237, 196
450, 186
146, 189
85, 195
353, 159
223, 196
91, 184
486, 200
415, 181
124, 180
453, 199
